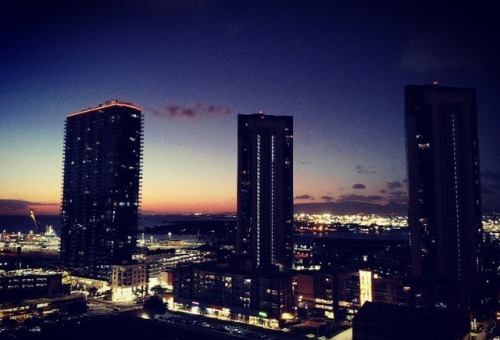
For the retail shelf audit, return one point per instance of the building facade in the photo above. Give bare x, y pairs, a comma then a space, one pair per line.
444, 183
160, 263
235, 293
129, 282
101, 188
265, 189
42, 307
21, 284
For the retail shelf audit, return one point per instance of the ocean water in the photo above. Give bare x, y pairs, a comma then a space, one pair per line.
392, 235
24, 223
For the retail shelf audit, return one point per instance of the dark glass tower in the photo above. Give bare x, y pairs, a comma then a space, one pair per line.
444, 184
101, 188
265, 189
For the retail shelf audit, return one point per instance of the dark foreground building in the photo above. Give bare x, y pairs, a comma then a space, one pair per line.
265, 189
444, 186
382, 321
101, 182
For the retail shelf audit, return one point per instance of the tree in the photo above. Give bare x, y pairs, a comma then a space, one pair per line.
158, 290
341, 315
77, 308
107, 295
302, 313
92, 291
139, 292
155, 304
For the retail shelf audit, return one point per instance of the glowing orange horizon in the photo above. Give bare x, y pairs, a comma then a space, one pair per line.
192, 208
188, 208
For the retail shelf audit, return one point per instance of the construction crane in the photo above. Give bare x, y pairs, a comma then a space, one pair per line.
37, 224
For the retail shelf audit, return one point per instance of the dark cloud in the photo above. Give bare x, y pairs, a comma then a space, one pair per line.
191, 111
398, 193
304, 197
362, 170
360, 198
490, 175
397, 196
359, 186
327, 198
394, 185
9, 205
394, 194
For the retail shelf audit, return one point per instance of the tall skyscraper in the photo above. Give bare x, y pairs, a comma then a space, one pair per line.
444, 183
101, 188
265, 189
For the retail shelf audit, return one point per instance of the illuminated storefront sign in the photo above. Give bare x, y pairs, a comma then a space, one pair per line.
365, 286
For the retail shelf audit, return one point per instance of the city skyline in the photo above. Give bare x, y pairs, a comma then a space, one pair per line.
338, 68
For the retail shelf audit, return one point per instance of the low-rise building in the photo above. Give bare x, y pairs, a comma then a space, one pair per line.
16, 285
324, 293
128, 282
160, 263
43, 307
248, 295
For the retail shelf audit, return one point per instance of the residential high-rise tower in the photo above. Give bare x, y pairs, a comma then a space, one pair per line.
444, 184
101, 188
265, 189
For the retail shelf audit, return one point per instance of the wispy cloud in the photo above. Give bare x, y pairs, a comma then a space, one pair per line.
359, 186
363, 171
397, 196
394, 185
327, 198
191, 111
304, 197
361, 198
9, 205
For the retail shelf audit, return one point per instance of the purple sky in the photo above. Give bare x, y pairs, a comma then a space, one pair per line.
338, 67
